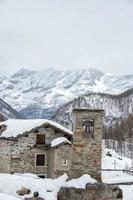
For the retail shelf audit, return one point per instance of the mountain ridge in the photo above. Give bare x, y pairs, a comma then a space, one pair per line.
115, 106
8, 112
35, 92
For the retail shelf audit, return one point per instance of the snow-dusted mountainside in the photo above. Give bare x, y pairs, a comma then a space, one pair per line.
8, 112
38, 94
115, 106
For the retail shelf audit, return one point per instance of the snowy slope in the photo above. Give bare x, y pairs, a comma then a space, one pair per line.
114, 162
39, 92
8, 112
115, 106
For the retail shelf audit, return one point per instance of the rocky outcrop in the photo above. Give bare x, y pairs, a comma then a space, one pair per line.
97, 191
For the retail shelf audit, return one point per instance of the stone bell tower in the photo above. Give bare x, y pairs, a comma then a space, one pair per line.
87, 143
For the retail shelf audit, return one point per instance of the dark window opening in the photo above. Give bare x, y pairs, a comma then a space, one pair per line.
40, 139
88, 127
42, 176
64, 161
40, 160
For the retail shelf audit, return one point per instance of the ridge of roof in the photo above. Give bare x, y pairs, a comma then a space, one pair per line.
18, 127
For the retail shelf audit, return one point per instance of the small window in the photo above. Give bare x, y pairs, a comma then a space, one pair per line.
40, 159
88, 127
40, 139
64, 161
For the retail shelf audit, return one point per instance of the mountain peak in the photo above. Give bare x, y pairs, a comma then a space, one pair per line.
51, 88
23, 72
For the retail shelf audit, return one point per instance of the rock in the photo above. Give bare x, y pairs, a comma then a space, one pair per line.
23, 191
2, 128
35, 194
97, 191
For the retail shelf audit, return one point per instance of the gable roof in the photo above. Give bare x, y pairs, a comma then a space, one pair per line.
17, 127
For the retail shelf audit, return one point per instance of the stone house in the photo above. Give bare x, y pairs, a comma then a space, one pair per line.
41, 147
48, 149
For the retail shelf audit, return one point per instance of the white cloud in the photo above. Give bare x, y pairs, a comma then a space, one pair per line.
66, 34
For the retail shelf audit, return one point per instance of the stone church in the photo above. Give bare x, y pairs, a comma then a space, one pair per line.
49, 150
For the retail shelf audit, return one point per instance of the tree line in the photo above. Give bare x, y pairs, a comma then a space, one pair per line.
119, 135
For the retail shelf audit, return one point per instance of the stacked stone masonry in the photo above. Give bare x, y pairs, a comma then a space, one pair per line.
83, 157
86, 150
19, 154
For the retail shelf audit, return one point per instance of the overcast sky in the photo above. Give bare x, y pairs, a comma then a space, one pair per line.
66, 34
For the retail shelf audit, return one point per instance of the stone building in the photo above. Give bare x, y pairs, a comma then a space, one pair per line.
48, 149
41, 147
87, 143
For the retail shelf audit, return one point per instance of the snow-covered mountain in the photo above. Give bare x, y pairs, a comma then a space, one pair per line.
8, 112
38, 94
115, 106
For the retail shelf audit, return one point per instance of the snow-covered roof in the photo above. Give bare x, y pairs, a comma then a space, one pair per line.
17, 127
59, 141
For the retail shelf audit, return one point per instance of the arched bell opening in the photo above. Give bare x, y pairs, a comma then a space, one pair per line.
88, 128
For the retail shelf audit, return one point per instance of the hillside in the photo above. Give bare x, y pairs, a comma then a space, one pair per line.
37, 94
115, 106
6, 111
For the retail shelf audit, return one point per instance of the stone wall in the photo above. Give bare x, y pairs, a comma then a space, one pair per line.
19, 155
5, 149
23, 158
55, 158
97, 191
24, 151
86, 151
61, 153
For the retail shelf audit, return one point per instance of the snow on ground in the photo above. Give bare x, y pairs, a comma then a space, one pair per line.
116, 177
127, 192
80, 182
59, 140
7, 197
114, 161
117, 162
49, 188
19, 126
